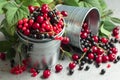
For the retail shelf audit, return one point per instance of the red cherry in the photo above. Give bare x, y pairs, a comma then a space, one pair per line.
27, 32
72, 65
91, 56
58, 67
20, 22
25, 20
36, 25
114, 50
100, 51
94, 49
46, 73
98, 59
95, 38
40, 19
45, 5
104, 40
31, 8
24, 28
75, 57
115, 31
84, 35
44, 8
32, 70
111, 57
105, 58
25, 25
47, 27
64, 13
34, 74
84, 49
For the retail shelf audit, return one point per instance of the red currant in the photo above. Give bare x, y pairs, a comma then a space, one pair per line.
104, 40
114, 50
111, 57
30, 22
20, 26
95, 38
72, 65
105, 58
100, 51
31, 8
65, 40
115, 31
20, 22
98, 59
46, 73
40, 19
36, 25
91, 56
75, 57
84, 49
94, 49
64, 13
84, 35
85, 26
25, 25
58, 67
32, 70
34, 74
25, 20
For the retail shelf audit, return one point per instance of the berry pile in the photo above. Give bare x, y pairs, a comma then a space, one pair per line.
42, 23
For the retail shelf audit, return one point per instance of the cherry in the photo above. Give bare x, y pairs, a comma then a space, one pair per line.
98, 59
105, 58
112, 57
95, 38
72, 65
84, 49
58, 67
104, 40
46, 73
31, 8
91, 56
47, 27
75, 57
25, 25
64, 13
20, 22
84, 35
40, 19
24, 28
94, 49
44, 9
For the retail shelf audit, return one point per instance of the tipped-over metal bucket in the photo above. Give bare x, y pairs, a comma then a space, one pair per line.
75, 19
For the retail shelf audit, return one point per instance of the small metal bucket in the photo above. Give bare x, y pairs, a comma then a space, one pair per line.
76, 17
44, 53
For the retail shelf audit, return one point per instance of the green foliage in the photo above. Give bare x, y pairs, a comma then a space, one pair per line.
115, 20
71, 2
46, 1
2, 3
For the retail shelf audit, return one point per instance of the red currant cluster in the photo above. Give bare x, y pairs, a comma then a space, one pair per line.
65, 40
18, 69
34, 72
43, 22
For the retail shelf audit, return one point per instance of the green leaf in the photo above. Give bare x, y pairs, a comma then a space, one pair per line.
10, 53
30, 2
46, 1
15, 12
108, 25
2, 3
81, 4
71, 2
103, 4
115, 20
5, 45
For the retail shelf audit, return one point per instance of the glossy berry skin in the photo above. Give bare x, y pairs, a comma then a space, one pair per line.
25, 20
91, 56
64, 13
34, 74
27, 32
95, 38
46, 73
98, 59
114, 50
105, 58
31, 8
44, 8
65, 40
84, 35
20, 22
72, 65
58, 67
104, 40
75, 57
100, 51
94, 49
115, 31
32, 70
112, 57
30, 22
40, 19
36, 25
85, 25
20, 26
84, 49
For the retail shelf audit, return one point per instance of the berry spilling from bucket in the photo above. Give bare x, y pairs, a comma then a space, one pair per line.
42, 23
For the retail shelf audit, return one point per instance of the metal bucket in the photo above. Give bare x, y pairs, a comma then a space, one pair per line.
44, 53
74, 20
